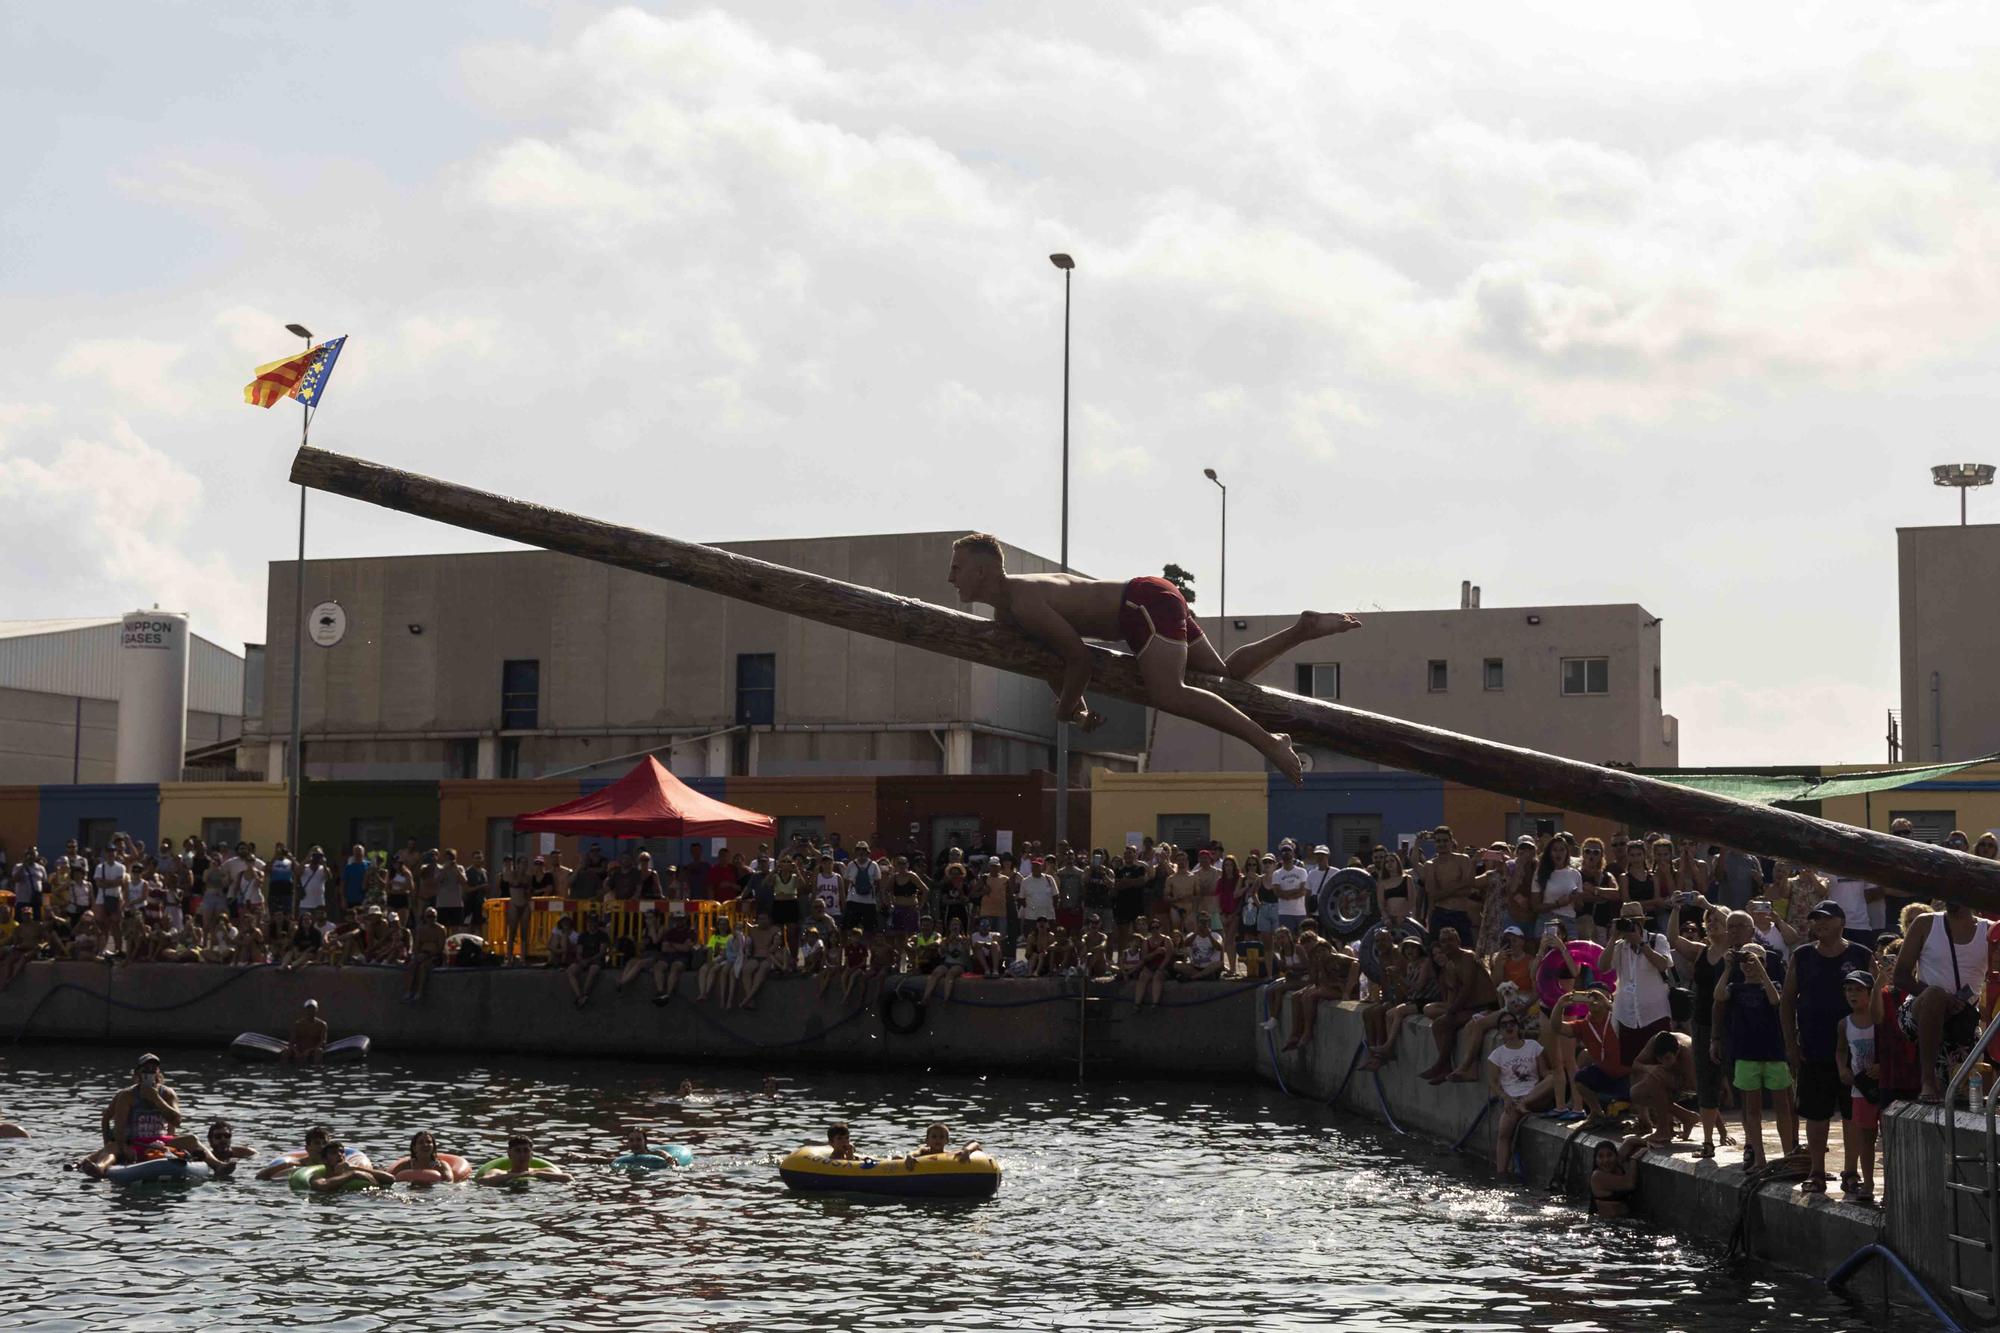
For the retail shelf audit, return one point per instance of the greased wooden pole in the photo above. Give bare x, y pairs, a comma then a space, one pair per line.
1914, 867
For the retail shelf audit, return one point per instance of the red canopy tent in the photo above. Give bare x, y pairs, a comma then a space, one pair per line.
648, 802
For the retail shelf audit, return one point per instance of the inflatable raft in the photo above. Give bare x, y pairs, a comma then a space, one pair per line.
303, 1178
812, 1170
169, 1166
256, 1047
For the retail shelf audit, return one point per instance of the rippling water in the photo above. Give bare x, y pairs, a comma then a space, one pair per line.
1152, 1206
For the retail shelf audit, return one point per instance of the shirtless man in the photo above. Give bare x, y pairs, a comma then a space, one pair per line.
1061, 610
426, 952
1452, 886
1465, 991
146, 1115
308, 1043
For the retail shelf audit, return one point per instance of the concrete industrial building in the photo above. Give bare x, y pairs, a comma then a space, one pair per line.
72, 705
1950, 641
1582, 682
529, 664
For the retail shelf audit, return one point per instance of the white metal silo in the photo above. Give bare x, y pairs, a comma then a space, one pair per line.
152, 696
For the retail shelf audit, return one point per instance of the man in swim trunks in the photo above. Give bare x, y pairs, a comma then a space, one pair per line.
308, 1043
426, 952
141, 1121
1150, 614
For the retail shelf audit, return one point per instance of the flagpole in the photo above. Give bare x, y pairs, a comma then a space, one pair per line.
296, 750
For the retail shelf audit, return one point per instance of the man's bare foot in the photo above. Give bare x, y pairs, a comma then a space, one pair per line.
1319, 624
1088, 720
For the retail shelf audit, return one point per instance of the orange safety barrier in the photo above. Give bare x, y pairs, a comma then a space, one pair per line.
622, 920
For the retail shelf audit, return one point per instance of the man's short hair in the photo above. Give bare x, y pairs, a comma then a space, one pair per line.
838, 1127
519, 1141
985, 543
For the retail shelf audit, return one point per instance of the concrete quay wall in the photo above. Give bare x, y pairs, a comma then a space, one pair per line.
1699, 1200
1016, 1025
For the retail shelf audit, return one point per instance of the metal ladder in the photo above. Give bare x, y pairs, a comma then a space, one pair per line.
1972, 1186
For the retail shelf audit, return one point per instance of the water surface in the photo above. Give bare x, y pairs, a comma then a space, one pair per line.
1149, 1206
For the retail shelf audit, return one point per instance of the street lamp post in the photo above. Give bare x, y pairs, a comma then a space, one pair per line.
293, 753
1068, 266
1222, 592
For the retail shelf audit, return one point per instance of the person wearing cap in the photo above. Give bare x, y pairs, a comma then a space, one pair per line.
1814, 1004
1640, 957
144, 1120
308, 1043
1318, 873
1854, 1053
1749, 1026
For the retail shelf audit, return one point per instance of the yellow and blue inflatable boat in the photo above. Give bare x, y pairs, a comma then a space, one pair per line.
812, 1170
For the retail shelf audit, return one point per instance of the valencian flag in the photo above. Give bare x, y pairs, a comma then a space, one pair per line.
302, 376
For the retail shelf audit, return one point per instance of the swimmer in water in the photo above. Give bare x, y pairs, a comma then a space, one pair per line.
770, 1085
637, 1143
842, 1145
10, 1130
222, 1142
520, 1156
340, 1168
423, 1156
316, 1138
937, 1140
1614, 1177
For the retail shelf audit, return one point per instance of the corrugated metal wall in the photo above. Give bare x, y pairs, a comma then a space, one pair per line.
84, 661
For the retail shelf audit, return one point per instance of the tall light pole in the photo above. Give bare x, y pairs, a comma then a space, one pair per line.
295, 754
1964, 476
1222, 592
1068, 266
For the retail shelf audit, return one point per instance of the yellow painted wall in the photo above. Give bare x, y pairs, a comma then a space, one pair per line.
20, 821
1237, 805
465, 806
1972, 795
260, 805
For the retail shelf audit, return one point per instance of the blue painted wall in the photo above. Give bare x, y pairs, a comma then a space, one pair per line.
1405, 802
132, 807
666, 851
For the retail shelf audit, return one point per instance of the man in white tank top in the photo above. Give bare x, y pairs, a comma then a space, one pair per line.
1944, 962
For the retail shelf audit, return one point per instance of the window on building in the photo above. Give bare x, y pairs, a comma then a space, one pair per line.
1496, 674
1184, 830
461, 758
520, 694
510, 756
1319, 680
1352, 835
739, 755
1656, 684
756, 689
376, 834
948, 831
94, 835
1928, 825
502, 842
1586, 675
1439, 676
1531, 823
795, 826
222, 832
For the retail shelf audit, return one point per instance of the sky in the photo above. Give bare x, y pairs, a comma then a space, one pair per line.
1672, 304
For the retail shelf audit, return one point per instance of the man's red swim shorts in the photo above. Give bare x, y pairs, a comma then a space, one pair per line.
1154, 606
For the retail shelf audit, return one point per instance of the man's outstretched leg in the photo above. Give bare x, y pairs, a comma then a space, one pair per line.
1163, 667
1247, 660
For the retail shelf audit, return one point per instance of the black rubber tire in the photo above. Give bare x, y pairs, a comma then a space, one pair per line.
1347, 903
902, 1027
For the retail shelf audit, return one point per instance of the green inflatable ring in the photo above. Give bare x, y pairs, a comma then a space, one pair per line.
534, 1164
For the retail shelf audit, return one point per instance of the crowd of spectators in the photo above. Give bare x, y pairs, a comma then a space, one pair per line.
1681, 981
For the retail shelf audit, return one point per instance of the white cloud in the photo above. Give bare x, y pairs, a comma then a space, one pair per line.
673, 268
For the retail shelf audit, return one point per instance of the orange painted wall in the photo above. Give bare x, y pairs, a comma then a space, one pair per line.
20, 820
464, 806
1479, 817
847, 804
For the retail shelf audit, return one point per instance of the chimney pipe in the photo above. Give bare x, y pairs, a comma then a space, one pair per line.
1465, 595
1475, 597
